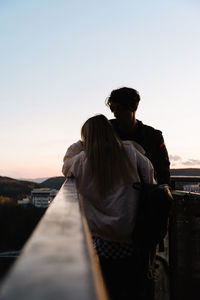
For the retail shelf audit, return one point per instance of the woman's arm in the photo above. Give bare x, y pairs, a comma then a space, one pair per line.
70, 158
73, 150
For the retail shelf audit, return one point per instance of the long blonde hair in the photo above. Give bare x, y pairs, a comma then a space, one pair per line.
107, 158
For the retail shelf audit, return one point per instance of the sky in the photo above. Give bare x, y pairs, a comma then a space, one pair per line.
60, 60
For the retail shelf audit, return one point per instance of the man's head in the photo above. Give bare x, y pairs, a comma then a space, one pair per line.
123, 103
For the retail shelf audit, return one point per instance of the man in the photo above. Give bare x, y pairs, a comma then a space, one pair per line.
123, 102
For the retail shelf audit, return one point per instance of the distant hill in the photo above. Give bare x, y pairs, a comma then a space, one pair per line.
53, 182
18, 189
185, 172
37, 180
15, 189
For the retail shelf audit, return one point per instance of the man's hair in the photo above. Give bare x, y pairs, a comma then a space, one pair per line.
125, 96
107, 158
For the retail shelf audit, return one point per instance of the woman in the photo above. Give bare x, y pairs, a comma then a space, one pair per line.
105, 169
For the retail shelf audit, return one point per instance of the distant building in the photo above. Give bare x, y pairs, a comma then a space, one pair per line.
195, 188
186, 183
42, 197
24, 202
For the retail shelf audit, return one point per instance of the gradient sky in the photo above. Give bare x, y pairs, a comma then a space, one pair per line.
59, 60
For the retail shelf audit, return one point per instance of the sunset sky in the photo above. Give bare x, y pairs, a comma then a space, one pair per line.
59, 60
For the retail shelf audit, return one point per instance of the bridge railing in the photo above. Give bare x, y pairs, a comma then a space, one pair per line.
184, 240
58, 261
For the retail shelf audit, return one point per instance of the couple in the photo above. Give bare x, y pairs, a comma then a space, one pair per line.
106, 162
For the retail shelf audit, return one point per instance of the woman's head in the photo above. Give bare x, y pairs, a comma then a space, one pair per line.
98, 130
106, 156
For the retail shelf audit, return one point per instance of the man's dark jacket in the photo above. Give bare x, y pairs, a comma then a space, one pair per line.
153, 143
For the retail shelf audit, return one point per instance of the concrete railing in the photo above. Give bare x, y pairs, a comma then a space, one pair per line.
58, 261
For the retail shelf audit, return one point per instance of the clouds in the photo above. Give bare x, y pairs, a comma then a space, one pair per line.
191, 162
179, 162
174, 158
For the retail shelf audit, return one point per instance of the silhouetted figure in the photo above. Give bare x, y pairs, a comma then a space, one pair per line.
123, 102
105, 169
